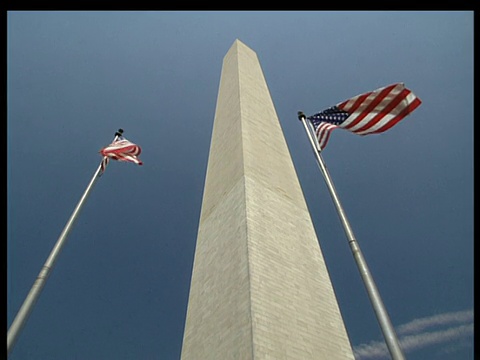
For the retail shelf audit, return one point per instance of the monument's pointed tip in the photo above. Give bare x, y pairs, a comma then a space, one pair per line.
239, 44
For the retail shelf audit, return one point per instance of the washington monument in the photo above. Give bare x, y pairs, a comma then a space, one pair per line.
260, 288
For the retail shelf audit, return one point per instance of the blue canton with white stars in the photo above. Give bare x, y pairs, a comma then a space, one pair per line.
332, 115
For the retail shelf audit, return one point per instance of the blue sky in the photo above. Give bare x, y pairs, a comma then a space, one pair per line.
119, 289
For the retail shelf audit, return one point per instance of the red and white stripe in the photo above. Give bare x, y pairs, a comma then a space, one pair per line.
323, 132
121, 150
379, 110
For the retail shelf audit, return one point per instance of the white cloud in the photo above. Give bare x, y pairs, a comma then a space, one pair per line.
441, 319
412, 338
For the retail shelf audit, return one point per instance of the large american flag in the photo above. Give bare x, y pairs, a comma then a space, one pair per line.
370, 113
121, 150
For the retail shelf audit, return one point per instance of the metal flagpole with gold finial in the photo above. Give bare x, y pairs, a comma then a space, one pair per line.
382, 316
32, 297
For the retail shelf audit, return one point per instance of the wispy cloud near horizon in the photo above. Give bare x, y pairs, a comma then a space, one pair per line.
412, 335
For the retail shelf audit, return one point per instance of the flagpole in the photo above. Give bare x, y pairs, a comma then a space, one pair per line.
32, 297
380, 311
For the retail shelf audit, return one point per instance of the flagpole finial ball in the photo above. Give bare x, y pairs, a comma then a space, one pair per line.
301, 115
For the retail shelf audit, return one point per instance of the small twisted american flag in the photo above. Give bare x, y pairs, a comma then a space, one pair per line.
370, 113
121, 150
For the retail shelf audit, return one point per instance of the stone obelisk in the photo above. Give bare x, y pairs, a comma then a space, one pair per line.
260, 288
